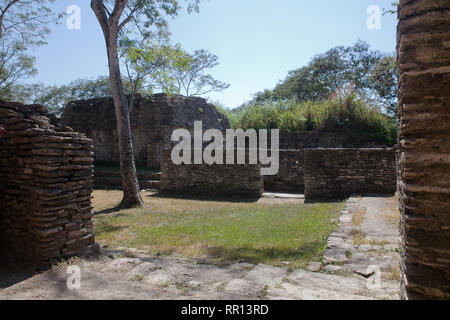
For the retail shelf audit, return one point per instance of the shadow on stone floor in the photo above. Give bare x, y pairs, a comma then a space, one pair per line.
11, 275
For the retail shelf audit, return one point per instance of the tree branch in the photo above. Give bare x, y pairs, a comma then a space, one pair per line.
117, 12
100, 12
130, 15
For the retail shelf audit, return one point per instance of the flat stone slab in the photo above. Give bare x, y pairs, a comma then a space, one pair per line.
314, 266
363, 248
283, 195
334, 255
148, 277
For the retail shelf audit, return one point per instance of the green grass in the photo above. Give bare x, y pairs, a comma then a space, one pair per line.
228, 231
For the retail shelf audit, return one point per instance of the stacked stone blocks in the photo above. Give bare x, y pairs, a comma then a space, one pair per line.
45, 189
424, 158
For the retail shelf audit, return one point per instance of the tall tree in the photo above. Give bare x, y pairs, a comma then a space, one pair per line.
142, 60
122, 16
15, 64
340, 71
160, 65
24, 24
55, 97
26, 20
384, 82
186, 74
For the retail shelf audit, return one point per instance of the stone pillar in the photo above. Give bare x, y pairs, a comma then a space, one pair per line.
424, 157
45, 188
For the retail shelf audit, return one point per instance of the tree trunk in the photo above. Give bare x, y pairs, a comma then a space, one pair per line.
130, 183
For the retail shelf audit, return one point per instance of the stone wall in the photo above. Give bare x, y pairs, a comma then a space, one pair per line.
152, 119
340, 173
216, 180
327, 139
424, 82
290, 174
45, 187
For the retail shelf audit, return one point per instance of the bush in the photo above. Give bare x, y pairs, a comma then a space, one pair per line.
347, 114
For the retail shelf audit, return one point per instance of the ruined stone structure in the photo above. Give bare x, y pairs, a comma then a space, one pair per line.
424, 71
292, 145
153, 119
45, 187
340, 173
327, 139
217, 180
321, 174
290, 173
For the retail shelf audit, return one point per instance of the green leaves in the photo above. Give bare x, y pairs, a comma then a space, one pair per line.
393, 10
26, 21
339, 72
339, 114
55, 97
160, 65
23, 25
384, 81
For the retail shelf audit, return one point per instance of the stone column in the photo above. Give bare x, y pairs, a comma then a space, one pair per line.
424, 159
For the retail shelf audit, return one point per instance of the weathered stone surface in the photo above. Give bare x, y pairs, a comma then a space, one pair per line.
327, 139
152, 118
314, 266
168, 278
290, 174
424, 162
217, 179
367, 249
44, 192
340, 173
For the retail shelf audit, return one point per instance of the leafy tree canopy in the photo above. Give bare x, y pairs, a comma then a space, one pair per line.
347, 114
368, 73
24, 24
55, 97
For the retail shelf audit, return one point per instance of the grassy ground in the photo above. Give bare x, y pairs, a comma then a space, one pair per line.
268, 231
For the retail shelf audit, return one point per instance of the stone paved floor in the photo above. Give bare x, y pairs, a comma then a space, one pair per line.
367, 242
111, 275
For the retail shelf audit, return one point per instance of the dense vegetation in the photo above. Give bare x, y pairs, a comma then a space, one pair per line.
348, 114
351, 89
341, 71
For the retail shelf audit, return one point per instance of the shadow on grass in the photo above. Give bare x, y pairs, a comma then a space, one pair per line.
109, 228
305, 253
108, 211
115, 209
346, 197
202, 197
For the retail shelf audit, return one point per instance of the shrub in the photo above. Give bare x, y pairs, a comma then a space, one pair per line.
348, 114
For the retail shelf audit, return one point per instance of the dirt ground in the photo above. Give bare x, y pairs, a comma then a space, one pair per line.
365, 238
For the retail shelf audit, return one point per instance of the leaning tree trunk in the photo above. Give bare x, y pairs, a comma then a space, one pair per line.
110, 27
424, 162
130, 183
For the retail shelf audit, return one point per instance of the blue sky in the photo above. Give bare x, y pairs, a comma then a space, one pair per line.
257, 41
